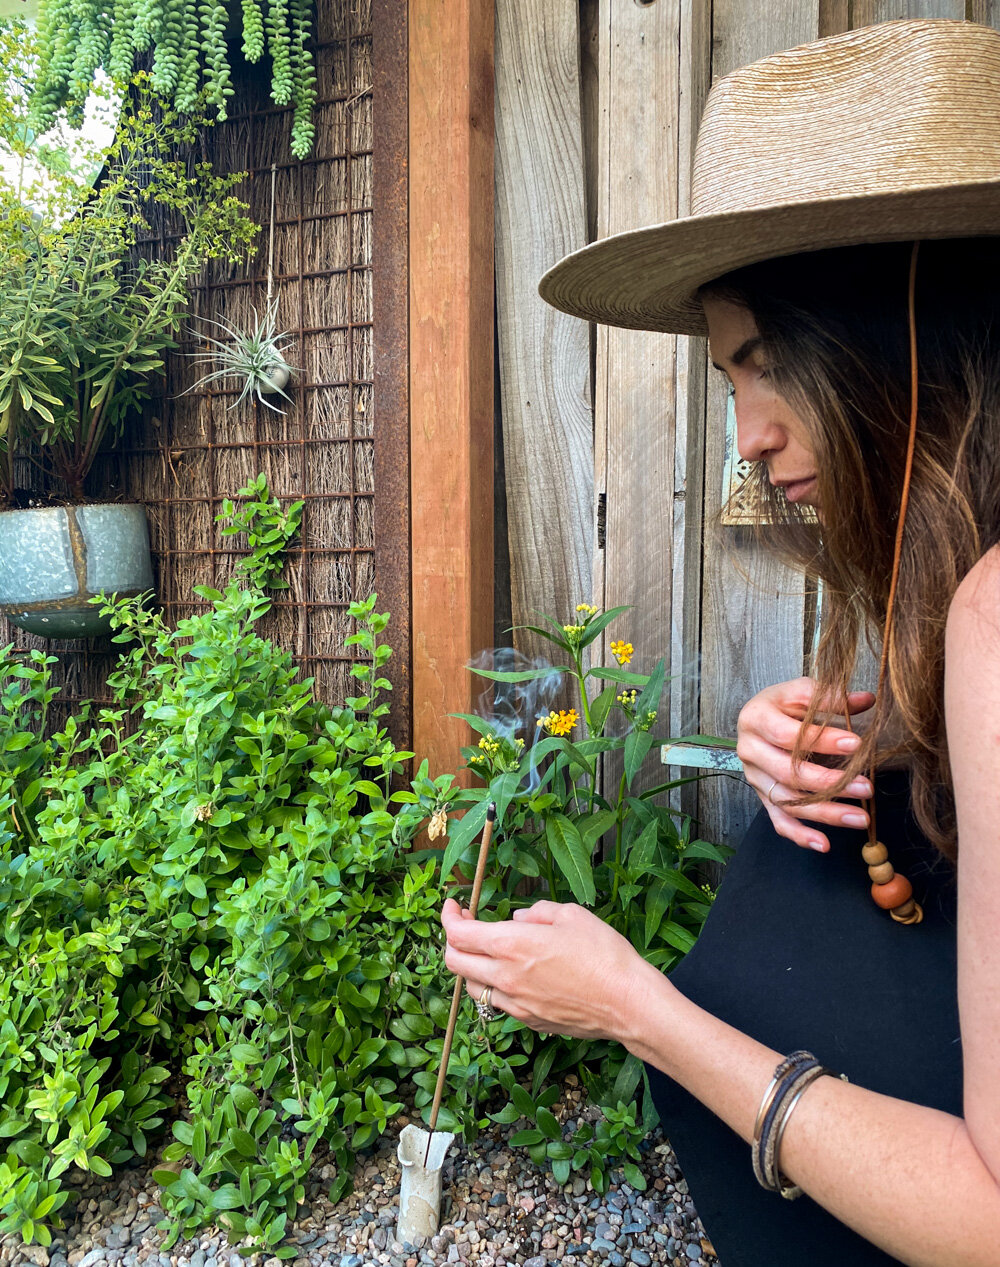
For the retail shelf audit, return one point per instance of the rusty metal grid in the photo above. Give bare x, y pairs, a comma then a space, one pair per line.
190, 450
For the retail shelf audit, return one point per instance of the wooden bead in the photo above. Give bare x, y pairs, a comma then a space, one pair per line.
893, 894
901, 912
882, 873
914, 917
874, 854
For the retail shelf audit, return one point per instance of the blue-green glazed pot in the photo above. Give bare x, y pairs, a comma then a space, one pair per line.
52, 561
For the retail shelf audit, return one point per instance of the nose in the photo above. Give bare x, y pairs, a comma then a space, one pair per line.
758, 434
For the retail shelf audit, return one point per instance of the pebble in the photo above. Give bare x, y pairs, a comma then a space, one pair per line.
498, 1210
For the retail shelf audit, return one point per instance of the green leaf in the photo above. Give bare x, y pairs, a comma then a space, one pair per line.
243, 1142
629, 1076
561, 1171
524, 675
523, 1102
460, 836
600, 707
195, 885
548, 1125
598, 625
246, 1052
634, 1176
612, 674
227, 1197
593, 826
571, 857
674, 935
637, 746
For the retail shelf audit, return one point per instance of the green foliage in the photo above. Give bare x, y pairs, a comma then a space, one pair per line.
209, 886
85, 321
188, 38
222, 892
624, 851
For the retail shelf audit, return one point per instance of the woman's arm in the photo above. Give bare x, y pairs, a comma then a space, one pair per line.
921, 1184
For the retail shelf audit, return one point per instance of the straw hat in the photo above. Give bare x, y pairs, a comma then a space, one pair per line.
887, 133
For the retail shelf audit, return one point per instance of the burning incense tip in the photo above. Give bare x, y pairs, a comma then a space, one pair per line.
491, 812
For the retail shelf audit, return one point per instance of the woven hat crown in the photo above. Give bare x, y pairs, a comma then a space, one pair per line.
892, 107
884, 134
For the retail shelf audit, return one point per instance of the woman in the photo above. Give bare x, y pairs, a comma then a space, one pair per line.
867, 389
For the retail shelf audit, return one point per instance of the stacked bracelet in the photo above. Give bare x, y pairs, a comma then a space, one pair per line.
791, 1078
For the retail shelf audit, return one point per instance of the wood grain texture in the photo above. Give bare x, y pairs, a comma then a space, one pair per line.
451, 362
544, 354
636, 371
867, 12
752, 607
689, 448
986, 12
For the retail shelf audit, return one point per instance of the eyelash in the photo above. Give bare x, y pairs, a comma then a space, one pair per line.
731, 390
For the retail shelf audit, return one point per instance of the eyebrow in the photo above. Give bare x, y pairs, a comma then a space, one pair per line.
742, 352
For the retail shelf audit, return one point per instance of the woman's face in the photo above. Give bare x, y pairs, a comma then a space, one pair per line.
766, 428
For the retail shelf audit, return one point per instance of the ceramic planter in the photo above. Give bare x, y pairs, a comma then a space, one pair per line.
52, 561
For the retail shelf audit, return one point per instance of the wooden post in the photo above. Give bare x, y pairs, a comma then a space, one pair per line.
451, 363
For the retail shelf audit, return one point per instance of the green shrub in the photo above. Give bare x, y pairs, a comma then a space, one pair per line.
216, 931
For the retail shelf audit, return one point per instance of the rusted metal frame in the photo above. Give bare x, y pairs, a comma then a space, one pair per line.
319, 274
305, 571
391, 348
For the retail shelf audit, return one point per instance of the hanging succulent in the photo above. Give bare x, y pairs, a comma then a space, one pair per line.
188, 39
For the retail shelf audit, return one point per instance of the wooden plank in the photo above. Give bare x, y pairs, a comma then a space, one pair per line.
985, 11
636, 370
689, 448
544, 354
834, 17
753, 608
451, 362
868, 12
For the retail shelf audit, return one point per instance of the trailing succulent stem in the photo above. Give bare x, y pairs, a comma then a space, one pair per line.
190, 57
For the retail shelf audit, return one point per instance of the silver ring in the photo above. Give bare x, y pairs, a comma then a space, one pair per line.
774, 784
486, 1010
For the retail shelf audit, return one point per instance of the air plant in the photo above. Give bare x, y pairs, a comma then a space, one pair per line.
256, 356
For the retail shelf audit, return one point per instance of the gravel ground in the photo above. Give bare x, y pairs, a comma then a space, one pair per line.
497, 1210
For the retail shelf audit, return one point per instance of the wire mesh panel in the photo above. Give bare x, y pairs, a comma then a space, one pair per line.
198, 444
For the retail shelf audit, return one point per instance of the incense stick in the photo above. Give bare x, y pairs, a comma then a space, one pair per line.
456, 998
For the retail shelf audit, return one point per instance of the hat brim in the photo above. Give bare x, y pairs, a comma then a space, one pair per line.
648, 279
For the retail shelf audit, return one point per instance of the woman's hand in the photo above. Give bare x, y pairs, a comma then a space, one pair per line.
767, 729
555, 966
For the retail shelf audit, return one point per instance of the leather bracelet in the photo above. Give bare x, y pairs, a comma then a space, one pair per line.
786, 1076
791, 1078
786, 1067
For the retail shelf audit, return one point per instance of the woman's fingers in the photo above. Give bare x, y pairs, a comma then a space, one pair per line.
802, 834
764, 762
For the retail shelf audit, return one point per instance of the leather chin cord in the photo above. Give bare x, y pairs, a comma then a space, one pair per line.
890, 890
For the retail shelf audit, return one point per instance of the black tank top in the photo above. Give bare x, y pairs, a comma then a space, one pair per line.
796, 954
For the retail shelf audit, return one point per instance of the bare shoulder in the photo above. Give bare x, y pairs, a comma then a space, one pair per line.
974, 615
972, 674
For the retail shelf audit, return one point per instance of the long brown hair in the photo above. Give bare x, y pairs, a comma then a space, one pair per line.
836, 333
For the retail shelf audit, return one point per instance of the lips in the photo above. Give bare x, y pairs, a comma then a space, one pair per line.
798, 490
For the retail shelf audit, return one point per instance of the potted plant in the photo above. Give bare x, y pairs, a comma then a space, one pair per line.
85, 321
